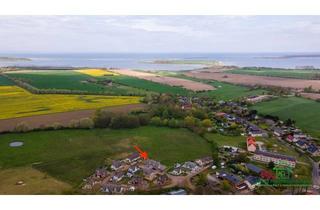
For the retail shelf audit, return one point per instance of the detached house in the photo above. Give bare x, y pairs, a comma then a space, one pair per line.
251, 144
116, 165
204, 161
133, 157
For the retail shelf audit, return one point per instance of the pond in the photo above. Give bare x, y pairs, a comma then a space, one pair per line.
16, 144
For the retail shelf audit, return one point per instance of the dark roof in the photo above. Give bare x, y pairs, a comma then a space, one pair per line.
133, 156
312, 148
252, 179
301, 142
116, 163
275, 155
253, 168
231, 178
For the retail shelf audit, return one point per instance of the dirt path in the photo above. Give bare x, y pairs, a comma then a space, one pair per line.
255, 80
172, 81
63, 118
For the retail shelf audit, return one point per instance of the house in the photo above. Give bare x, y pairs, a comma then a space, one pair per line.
193, 167
162, 179
133, 169
149, 173
252, 182
133, 157
116, 165
118, 176
253, 168
113, 189
290, 138
277, 159
136, 181
313, 150
251, 144
155, 165
101, 173
177, 171
300, 135
230, 149
204, 161
267, 175
302, 144
178, 192
232, 179
279, 132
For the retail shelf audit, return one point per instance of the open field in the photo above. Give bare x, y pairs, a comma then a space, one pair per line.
305, 112
285, 73
34, 182
17, 102
62, 118
71, 155
256, 80
172, 81
4, 81
70, 80
147, 85
95, 72
223, 90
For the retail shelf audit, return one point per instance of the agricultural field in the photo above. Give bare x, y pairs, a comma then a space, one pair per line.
17, 102
147, 85
4, 81
285, 73
223, 91
71, 155
95, 72
71, 80
304, 111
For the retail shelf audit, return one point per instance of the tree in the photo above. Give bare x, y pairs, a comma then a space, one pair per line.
172, 123
86, 123
144, 119
155, 121
207, 123
102, 118
124, 121
189, 121
271, 165
225, 185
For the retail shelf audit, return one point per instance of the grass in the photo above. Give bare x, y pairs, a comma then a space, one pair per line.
95, 72
223, 91
147, 85
286, 73
4, 81
70, 80
35, 182
71, 155
304, 111
17, 102
222, 140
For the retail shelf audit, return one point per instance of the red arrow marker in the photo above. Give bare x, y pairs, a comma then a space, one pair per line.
143, 154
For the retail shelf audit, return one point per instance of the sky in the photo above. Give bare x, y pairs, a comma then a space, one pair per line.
143, 34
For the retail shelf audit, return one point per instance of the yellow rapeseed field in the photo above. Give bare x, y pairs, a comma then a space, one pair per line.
95, 72
17, 102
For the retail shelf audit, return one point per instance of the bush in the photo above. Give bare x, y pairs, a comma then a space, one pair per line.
155, 121
86, 123
124, 121
144, 119
102, 118
22, 127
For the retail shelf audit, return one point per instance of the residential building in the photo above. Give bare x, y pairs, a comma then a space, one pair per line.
251, 144
277, 159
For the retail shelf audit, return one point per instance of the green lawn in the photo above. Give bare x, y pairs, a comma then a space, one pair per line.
222, 140
70, 80
4, 81
305, 112
147, 85
286, 73
71, 155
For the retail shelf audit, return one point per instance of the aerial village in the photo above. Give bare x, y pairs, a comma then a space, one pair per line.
239, 170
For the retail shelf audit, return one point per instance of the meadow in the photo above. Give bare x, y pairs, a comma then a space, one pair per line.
71, 155
71, 80
17, 102
304, 111
147, 85
285, 73
4, 81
